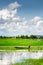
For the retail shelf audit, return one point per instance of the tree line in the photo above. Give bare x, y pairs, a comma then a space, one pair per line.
24, 37
30, 37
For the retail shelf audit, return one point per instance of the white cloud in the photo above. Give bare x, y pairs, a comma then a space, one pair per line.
10, 11
36, 19
13, 6
11, 24
40, 26
6, 14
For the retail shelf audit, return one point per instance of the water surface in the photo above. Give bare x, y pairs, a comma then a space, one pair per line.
10, 57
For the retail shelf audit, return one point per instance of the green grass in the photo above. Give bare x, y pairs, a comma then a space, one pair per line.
31, 62
20, 42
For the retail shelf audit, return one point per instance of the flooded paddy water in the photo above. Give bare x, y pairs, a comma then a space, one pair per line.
14, 56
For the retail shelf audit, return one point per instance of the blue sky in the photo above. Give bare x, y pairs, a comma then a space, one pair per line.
29, 8
31, 13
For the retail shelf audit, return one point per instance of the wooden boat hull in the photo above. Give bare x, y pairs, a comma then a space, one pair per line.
22, 47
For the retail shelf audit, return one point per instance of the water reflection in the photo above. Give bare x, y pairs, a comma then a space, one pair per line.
10, 57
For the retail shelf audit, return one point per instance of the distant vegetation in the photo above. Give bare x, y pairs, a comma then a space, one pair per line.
24, 37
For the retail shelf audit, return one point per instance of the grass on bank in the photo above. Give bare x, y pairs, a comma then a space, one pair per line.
31, 62
9, 43
20, 42
32, 48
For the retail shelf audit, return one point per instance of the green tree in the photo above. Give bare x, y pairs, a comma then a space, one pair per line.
33, 37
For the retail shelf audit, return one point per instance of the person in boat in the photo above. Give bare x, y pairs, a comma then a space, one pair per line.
29, 46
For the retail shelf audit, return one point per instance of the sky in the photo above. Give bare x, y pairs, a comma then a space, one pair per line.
21, 17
